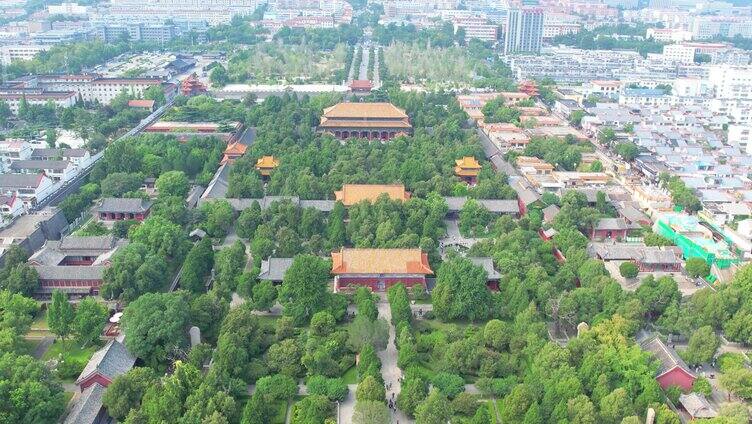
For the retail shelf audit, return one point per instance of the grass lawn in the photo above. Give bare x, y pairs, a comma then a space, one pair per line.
350, 376
268, 321
40, 321
70, 350
425, 325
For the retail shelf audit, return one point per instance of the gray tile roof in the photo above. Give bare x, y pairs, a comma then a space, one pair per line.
110, 361
455, 204
57, 165
87, 408
88, 242
54, 272
550, 212
63, 153
14, 181
667, 357
116, 205
487, 265
697, 405
611, 224
274, 269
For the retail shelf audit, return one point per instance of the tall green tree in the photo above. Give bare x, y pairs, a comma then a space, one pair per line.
435, 409
461, 291
60, 315
91, 317
304, 290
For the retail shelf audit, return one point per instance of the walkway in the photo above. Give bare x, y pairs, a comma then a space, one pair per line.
347, 406
389, 370
363, 71
42, 347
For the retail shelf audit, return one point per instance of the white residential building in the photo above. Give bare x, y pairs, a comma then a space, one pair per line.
58, 98
731, 82
741, 136
14, 52
11, 207
67, 9
680, 53
31, 188
13, 150
58, 170
93, 87
523, 31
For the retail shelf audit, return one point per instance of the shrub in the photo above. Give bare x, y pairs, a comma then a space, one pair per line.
70, 368
628, 270
449, 384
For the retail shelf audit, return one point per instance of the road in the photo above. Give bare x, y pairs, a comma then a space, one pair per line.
363, 71
68, 188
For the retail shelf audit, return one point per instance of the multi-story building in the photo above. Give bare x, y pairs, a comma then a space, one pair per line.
37, 97
136, 32
731, 82
58, 170
681, 53
67, 9
523, 31
157, 11
93, 87
740, 136
477, 27
668, 35
13, 52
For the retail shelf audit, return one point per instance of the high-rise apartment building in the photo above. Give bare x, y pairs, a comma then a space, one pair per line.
523, 31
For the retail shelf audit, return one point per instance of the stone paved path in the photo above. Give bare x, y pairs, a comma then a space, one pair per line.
389, 370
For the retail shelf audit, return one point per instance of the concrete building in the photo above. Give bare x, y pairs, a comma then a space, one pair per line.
523, 31
12, 52
31, 188
477, 27
681, 53
67, 9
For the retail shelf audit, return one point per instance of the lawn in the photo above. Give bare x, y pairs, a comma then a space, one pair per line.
70, 350
426, 325
350, 376
268, 321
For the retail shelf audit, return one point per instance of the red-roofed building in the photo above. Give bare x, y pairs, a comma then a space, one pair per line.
142, 104
361, 86
191, 86
379, 269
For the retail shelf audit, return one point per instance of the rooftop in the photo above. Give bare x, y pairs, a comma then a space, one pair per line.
354, 193
364, 110
112, 204
110, 361
380, 261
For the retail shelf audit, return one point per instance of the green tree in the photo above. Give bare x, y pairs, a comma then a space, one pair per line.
172, 183
284, 357
413, 391
702, 346
448, 384
702, 385
126, 390
435, 409
219, 76
304, 289
264, 295
615, 406
21, 279
155, 325
371, 412
363, 331
738, 382
118, 184
277, 387
461, 291
30, 392
60, 315
697, 267
312, 409
517, 403
91, 317
219, 217
370, 389
581, 410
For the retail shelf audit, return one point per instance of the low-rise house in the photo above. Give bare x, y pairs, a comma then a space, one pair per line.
144, 104
88, 409
30, 188
492, 275
58, 170
265, 165
697, 406
107, 363
13, 150
672, 370
533, 165
379, 269
609, 228
115, 209
549, 213
10, 208
81, 158
274, 269
495, 206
